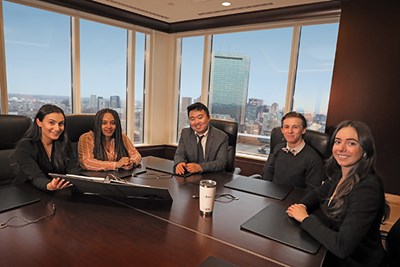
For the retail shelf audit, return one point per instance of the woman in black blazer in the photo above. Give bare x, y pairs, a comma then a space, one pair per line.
44, 149
352, 201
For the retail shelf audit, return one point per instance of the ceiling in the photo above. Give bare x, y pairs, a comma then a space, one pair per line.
174, 16
172, 11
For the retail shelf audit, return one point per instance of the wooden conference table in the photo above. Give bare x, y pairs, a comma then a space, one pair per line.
93, 231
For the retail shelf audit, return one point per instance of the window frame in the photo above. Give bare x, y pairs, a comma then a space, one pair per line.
75, 17
296, 25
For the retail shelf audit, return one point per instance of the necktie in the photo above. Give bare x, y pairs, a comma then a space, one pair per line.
200, 154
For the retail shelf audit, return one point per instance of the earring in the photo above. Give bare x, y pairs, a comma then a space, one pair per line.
365, 154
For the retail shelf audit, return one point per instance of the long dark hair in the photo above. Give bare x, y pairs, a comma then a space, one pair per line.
359, 171
99, 150
61, 146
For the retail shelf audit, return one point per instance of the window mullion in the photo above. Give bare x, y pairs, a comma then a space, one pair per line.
75, 66
294, 57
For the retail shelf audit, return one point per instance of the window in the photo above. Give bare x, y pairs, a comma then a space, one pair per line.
314, 73
37, 45
38, 64
248, 82
249, 79
103, 68
191, 77
139, 86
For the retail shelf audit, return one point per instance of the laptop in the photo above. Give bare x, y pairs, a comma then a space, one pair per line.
121, 173
260, 187
12, 197
273, 222
163, 165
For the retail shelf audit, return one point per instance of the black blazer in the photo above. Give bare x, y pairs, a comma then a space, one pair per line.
354, 239
32, 164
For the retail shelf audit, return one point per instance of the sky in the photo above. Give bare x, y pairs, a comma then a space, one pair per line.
38, 58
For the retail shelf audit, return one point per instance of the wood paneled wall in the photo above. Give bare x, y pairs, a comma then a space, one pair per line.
366, 78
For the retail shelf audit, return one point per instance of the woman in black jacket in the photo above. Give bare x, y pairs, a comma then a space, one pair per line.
45, 149
352, 201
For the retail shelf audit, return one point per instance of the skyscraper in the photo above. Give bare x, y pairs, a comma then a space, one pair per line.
93, 102
115, 102
229, 85
186, 101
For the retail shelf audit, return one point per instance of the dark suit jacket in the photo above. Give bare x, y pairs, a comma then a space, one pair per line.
32, 164
354, 239
216, 154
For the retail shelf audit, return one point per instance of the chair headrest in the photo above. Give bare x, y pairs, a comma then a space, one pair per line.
78, 124
317, 140
228, 127
12, 129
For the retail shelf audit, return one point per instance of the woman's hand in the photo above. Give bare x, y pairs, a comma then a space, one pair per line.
129, 166
123, 163
298, 212
58, 184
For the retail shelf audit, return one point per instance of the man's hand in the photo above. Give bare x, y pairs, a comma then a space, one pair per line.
180, 168
193, 168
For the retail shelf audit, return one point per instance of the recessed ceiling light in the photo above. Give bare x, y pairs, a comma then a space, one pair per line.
226, 3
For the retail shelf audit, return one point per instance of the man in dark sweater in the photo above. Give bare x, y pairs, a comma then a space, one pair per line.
294, 163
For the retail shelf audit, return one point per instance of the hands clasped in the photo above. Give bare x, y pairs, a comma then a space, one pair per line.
182, 167
125, 163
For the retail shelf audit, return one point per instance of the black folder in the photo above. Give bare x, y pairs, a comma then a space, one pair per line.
12, 197
273, 222
260, 187
163, 165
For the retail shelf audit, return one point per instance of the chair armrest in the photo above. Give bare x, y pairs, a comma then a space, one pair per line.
256, 176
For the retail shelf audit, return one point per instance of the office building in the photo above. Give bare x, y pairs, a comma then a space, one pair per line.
115, 102
229, 85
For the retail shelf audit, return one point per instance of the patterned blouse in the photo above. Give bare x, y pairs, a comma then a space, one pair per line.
89, 162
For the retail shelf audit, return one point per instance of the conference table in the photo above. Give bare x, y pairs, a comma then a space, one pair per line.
88, 230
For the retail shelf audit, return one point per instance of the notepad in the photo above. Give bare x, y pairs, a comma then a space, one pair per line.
12, 197
273, 222
260, 187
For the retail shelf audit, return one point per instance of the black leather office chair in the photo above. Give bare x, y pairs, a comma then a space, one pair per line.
231, 129
317, 140
393, 244
76, 125
12, 128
